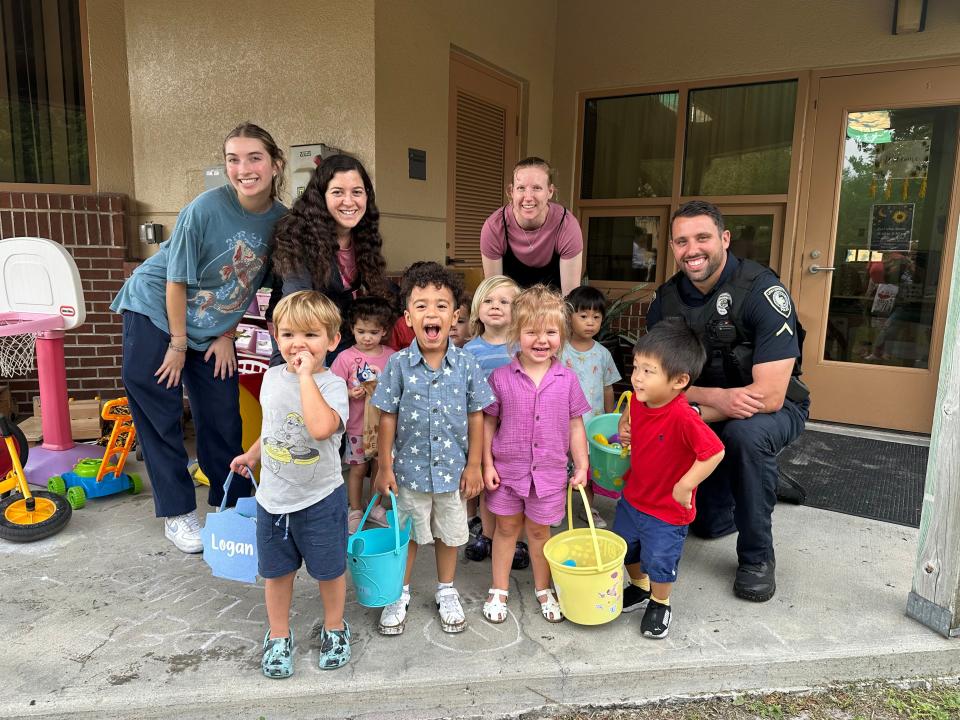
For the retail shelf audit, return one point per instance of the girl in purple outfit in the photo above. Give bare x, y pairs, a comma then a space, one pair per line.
528, 431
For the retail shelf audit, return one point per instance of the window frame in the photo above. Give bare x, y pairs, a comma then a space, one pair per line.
783, 206
660, 210
19, 187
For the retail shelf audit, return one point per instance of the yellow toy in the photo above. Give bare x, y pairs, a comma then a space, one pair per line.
25, 516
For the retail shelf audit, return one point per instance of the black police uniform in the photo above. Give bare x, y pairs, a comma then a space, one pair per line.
742, 491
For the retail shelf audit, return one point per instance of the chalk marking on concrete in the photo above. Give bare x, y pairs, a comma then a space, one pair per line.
473, 649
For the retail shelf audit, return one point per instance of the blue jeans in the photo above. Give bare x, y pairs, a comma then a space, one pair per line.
740, 494
158, 417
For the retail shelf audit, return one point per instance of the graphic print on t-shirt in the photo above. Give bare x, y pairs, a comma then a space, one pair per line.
288, 453
239, 267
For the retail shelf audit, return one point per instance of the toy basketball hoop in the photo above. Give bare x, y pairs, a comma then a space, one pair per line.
18, 340
40, 298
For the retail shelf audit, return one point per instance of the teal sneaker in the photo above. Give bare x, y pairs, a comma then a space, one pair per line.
277, 661
334, 648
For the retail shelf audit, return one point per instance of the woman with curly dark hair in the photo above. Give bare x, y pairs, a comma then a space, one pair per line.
330, 241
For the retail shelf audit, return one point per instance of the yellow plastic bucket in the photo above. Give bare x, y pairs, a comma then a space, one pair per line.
587, 568
607, 464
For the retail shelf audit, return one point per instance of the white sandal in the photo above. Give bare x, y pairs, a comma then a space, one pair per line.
495, 610
549, 607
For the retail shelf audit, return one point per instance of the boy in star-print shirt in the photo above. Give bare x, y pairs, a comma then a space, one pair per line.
431, 396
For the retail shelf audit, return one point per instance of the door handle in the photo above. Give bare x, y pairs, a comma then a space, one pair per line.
814, 269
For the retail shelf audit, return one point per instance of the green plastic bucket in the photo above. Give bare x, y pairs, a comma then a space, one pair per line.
607, 465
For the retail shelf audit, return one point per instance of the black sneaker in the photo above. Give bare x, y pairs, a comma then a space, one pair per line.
479, 548
521, 556
634, 598
656, 620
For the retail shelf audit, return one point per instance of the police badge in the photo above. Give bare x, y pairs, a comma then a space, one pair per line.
724, 301
778, 299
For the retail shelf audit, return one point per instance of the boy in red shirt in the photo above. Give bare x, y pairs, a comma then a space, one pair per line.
672, 450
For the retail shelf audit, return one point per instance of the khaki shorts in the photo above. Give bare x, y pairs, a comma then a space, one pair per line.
435, 515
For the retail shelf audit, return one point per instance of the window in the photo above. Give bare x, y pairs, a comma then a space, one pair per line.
623, 248
645, 153
43, 124
628, 146
739, 139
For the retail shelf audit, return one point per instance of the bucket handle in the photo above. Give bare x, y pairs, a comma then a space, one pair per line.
586, 504
226, 486
625, 395
395, 523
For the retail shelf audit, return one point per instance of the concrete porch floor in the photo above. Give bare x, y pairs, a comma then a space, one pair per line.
108, 620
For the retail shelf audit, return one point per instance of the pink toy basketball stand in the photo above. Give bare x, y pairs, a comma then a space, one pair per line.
40, 298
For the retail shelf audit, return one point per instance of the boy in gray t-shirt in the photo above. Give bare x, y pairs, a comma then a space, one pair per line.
302, 501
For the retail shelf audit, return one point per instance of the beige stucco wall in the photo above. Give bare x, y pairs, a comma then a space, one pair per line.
623, 42
110, 96
302, 69
413, 42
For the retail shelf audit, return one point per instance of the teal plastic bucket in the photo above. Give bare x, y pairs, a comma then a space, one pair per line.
377, 558
607, 465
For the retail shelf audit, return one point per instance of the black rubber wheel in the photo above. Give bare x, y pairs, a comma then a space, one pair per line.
23, 450
15, 529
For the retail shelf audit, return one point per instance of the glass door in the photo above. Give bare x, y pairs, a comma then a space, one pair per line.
871, 278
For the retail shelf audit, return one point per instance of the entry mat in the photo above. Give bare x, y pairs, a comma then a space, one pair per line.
858, 476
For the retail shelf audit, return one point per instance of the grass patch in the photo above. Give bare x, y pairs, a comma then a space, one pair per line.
875, 701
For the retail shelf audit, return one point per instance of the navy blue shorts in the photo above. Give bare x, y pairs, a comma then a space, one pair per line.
317, 536
653, 543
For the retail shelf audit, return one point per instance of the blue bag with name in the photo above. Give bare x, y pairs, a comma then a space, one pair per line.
230, 538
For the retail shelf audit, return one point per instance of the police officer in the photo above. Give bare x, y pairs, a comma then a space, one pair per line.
749, 390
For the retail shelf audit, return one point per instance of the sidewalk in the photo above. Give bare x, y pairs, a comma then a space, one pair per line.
108, 620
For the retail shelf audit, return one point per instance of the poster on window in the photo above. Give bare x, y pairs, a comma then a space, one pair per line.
891, 227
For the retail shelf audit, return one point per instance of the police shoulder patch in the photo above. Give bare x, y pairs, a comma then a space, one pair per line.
779, 300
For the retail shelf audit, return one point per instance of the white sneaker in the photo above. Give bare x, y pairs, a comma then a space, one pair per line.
598, 522
394, 615
184, 532
452, 619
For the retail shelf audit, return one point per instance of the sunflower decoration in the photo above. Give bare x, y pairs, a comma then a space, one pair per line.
899, 217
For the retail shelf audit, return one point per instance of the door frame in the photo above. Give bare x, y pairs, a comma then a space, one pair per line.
815, 344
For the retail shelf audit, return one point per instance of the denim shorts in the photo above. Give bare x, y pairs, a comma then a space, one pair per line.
315, 535
655, 544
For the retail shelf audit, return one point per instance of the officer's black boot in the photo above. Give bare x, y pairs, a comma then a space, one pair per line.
756, 581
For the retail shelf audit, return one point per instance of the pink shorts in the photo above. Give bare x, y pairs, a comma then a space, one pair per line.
542, 510
353, 452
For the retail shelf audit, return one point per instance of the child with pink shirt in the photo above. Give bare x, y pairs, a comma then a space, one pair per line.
370, 319
534, 422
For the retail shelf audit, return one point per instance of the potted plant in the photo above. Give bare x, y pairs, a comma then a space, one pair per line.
610, 335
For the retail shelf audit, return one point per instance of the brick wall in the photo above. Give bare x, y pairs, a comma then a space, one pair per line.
92, 229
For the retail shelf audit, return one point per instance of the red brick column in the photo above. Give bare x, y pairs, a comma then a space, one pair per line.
92, 229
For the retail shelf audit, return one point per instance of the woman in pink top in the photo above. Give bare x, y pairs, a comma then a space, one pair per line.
531, 239
529, 429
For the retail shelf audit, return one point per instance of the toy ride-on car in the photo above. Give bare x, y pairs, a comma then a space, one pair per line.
94, 477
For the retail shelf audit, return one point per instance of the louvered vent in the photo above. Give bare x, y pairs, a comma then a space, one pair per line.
479, 172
